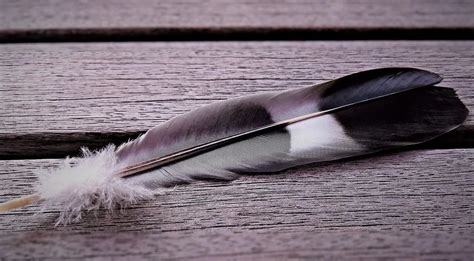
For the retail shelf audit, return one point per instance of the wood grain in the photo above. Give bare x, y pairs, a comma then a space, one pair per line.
384, 206
25, 14
54, 98
125, 87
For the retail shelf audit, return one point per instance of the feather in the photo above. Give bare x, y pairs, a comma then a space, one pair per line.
354, 115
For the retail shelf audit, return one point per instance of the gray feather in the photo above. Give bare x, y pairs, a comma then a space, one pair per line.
333, 136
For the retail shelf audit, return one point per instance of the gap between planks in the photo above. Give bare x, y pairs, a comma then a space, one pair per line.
230, 34
60, 145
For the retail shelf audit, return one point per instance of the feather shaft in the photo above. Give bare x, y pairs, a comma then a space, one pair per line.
19, 202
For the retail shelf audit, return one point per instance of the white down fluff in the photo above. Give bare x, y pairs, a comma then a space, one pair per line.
87, 184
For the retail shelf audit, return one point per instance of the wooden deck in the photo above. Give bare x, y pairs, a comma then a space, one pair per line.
415, 203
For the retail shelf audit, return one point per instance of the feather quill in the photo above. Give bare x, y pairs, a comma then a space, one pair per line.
358, 114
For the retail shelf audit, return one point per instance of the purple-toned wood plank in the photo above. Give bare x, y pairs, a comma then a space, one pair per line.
26, 14
125, 87
408, 205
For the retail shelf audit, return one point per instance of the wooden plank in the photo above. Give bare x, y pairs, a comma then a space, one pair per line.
107, 93
409, 205
24, 14
126, 87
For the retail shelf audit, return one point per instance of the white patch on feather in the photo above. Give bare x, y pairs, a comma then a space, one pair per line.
321, 138
87, 184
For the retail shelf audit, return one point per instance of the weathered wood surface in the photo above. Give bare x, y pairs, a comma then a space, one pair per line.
415, 204
26, 14
408, 205
105, 87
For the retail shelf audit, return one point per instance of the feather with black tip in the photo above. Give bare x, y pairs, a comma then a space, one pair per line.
354, 115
